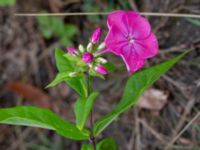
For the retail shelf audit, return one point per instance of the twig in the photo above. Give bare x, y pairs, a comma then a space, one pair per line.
105, 13
17, 143
182, 120
131, 141
182, 131
178, 48
133, 5
176, 84
137, 130
153, 132
187, 111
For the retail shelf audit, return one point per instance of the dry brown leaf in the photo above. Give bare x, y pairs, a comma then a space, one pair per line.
30, 92
152, 99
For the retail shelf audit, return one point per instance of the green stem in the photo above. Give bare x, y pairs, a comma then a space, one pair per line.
92, 137
89, 84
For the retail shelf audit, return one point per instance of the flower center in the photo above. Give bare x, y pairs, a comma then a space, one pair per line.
130, 39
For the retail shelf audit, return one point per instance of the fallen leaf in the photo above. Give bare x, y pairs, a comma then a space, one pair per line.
152, 99
30, 92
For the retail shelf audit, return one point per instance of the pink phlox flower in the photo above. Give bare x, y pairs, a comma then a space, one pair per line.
130, 37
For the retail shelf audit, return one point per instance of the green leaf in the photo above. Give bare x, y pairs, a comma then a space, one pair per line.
78, 84
71, 58
64, 65
70, 30
64, 41
54, 26
7, 2
44, 26
86, 147
59, 78
110, 66
92, 72
107, 144
134, 88
58, 26
82, 109
194, 21
42, 118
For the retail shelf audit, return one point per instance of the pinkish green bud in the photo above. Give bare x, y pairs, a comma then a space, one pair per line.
96, 36
87, 57
101, 69
71, 50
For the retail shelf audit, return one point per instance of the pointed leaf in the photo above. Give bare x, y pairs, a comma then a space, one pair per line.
42, 118
82, 109
60, 77
134, 88
86, 147
194, 21
110, 66
64, 65
107, 144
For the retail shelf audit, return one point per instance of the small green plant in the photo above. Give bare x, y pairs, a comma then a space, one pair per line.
129, 37
7, 2
51, 26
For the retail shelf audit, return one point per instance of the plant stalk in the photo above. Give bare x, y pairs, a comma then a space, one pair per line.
92, 137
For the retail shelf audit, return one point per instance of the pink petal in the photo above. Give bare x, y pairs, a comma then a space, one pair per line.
116, 18
139, 26
115, 40
146, 48
132, 61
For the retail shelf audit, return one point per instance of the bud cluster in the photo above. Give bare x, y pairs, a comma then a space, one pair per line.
91, 54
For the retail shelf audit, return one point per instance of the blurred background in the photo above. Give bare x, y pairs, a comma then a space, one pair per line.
27, 65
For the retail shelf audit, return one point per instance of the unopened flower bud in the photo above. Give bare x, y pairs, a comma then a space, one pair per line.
89, 47
101, 69
96, 36
101, 46
81, 48
71, 50
101, 60
87, 57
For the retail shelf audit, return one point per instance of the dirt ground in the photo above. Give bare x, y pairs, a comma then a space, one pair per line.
26, 58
